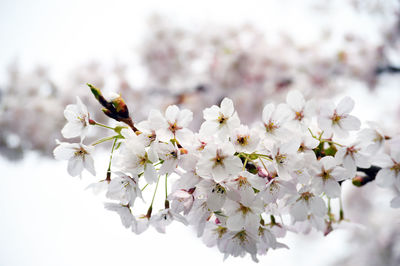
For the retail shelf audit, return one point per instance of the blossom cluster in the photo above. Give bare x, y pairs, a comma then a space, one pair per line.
242, 188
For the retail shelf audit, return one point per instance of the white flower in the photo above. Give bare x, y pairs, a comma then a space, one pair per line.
327, 175
307, 203
78, 120
244, 214
338, 120
239, 244
218, 161
164, 217
244, 139
390, 172
171, 156
244, 184
373, 137
222, 120
123, 211
284, 156
182, 200
174, 125
351, 157
300, 111
273, 121
133, 157
124, 189
78, 156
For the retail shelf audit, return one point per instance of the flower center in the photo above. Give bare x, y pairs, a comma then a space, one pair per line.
299, 116
336, 118
173, 127
242, 140
270, 126
306, 196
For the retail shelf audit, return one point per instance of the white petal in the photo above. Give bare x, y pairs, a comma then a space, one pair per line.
72, 129
345, 106
332, 188
383, 160
395, 203
267, 112
296, 100
150, 173
385, 177
172, 112
227, 108
317, 206
236, 221
299, 211
328, 162
75, 166
219, 173
350, 123
185, 117
211, 113
89, 164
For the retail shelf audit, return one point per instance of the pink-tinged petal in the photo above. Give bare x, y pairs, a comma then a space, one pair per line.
150, 173
72, 129
395, 203
385, 178
317, 206
236, 221
296, 100
172, 112
345, 106
328, 162
185, 117
383, 160
267, 112
227, 108
299, 211
89, 164
332, 188
350, 123
75, 166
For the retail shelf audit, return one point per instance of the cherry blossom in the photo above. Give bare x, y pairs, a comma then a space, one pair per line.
337, 119
78, 156
78, 120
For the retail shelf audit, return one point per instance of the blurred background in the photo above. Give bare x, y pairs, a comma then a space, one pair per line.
157, 53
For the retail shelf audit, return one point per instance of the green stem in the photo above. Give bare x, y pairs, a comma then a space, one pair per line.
155, 190
341, 213
104, 140
109, 164
245, 162
144, 187
102, 125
